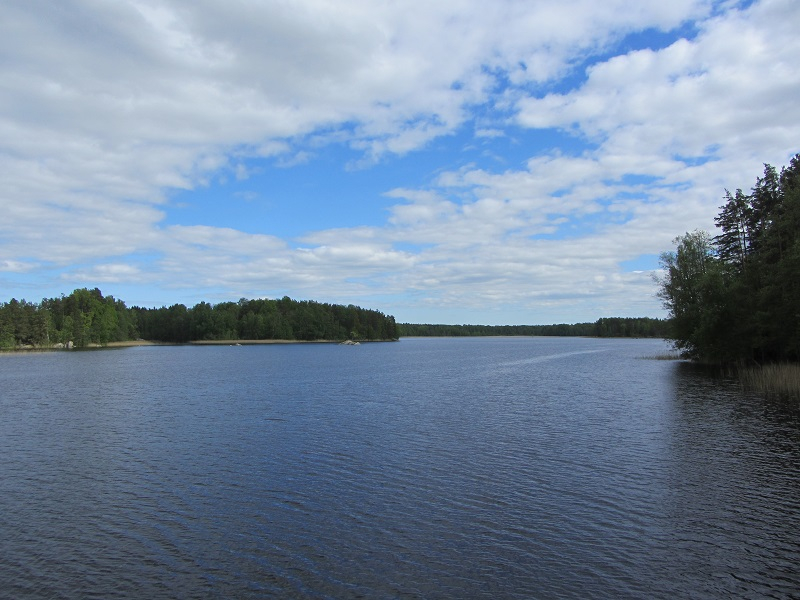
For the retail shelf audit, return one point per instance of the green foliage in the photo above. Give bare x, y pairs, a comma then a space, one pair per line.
23, 324
638, 327
86, 318
688, 287
736, 297
429, 330
283, 319
606, 327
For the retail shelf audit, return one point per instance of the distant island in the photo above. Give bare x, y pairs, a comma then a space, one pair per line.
87, 318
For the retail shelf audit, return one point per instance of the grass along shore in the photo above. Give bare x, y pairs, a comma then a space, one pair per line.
780, 378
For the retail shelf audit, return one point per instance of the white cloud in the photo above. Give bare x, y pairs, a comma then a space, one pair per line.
107, 108
731, 89
108, 273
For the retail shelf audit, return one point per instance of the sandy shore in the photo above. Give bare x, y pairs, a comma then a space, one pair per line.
127, 344
257, 342
132, 343
223, 343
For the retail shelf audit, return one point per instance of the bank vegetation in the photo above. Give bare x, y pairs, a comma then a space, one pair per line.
734, 298
640, 327
87, 318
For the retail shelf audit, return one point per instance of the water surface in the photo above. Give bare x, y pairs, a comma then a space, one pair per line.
428, 468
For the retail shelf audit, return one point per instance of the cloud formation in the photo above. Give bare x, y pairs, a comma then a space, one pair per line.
109, 112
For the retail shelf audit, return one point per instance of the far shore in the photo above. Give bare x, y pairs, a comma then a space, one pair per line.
258, 342
132, 343
208, 343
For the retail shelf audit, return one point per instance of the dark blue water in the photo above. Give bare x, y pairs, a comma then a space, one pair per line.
428, 468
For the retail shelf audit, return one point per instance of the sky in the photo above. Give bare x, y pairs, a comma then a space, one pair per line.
460, 161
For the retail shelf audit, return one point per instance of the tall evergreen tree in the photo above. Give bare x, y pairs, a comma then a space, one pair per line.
733, 243
739, 299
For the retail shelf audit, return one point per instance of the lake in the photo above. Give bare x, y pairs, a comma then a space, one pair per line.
427, 468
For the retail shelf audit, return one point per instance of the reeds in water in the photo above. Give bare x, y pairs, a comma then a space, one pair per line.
781, 378
664, 356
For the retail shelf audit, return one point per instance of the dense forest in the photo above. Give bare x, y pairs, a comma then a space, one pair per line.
735, 297
86, 317
605, 327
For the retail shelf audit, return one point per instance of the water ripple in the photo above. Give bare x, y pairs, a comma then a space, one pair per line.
426, 469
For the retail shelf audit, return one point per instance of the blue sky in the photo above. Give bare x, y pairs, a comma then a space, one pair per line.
451, 162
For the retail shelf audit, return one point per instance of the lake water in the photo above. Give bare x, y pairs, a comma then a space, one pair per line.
428, 468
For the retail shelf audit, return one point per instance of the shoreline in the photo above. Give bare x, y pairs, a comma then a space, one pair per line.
137, 343
256, 342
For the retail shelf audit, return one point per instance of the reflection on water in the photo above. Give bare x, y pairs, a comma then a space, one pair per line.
734, 482
519, 467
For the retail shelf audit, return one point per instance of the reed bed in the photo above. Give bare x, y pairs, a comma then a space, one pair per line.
664, 356
783, 378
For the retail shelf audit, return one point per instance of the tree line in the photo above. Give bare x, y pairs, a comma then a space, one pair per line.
605, 327
735, 297
86, 317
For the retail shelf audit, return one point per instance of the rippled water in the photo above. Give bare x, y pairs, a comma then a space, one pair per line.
428, 468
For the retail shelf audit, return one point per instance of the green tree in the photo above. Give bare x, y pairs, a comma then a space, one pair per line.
7, 339
735, 217
683, 288
738, 297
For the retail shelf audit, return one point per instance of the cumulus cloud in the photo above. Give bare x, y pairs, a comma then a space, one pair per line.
724, 94
108, 110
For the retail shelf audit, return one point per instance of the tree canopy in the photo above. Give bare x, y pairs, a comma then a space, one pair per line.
605, 327
735, 296
86, 317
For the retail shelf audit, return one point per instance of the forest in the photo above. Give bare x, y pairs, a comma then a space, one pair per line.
87, 318
605, 327
734, 298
